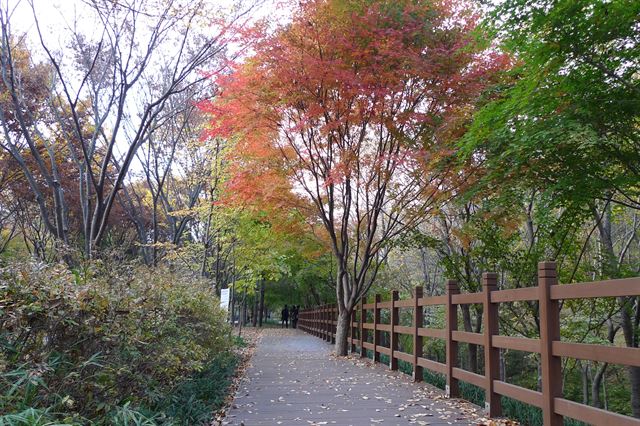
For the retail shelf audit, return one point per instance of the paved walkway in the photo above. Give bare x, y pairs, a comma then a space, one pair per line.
294, 379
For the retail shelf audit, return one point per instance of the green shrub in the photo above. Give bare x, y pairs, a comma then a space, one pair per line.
192, 401
115, 344
239, 341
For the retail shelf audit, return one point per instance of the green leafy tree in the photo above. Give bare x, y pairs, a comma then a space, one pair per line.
567, 122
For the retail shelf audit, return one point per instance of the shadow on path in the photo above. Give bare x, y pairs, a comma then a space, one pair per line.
294, 379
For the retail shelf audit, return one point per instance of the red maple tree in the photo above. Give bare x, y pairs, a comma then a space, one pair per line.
355, 106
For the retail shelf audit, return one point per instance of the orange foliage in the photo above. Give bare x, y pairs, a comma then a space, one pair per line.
407, 69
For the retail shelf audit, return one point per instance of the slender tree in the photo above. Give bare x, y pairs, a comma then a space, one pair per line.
92, 98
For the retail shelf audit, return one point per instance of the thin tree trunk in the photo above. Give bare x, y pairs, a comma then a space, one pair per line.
634, 378
242, 312
610, 269
207, 237
468, 327
584, 367
604, 393
539, 374
596, 384
261, 307
254, 310
217, 272
244, 308
232, 305
154, 218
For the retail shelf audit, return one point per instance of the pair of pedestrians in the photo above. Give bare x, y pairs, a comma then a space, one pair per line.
293, 313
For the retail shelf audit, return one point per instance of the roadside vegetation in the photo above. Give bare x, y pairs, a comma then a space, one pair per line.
110, 344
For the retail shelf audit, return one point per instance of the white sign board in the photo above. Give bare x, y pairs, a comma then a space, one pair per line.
224, 298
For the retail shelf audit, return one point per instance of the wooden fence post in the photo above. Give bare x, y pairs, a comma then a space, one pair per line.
393, 337
352, 330
363, 332
329, 324
549, 332
491, 355
417, 339
452, 388
327, 321
376, 332
324, 322
323, 315
334, 318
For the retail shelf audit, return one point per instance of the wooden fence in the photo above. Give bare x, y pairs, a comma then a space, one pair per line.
321, 322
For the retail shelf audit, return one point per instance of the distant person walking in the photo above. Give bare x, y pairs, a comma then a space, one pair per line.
284, 315
294, 316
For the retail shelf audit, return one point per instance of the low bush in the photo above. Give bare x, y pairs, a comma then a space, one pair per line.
111, 344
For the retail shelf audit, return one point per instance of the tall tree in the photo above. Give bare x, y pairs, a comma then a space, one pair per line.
567, 125
359, 100
92, 98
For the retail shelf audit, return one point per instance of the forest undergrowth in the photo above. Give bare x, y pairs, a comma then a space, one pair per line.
116, 344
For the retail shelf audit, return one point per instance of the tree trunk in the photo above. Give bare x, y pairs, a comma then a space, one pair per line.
207, 242
597, 382
254, 311
539, 374
242, 312
217, 273
611, 269
634, 378
315, 295
595, 386
585, 382
261, 307
232, 305
604, 394
244, 309
473, 349
154, 219
631, 340
342, 332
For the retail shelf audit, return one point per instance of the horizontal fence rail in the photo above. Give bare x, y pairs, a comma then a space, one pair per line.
322, 321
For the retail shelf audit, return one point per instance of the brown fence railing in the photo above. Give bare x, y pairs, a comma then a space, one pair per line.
321, 322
